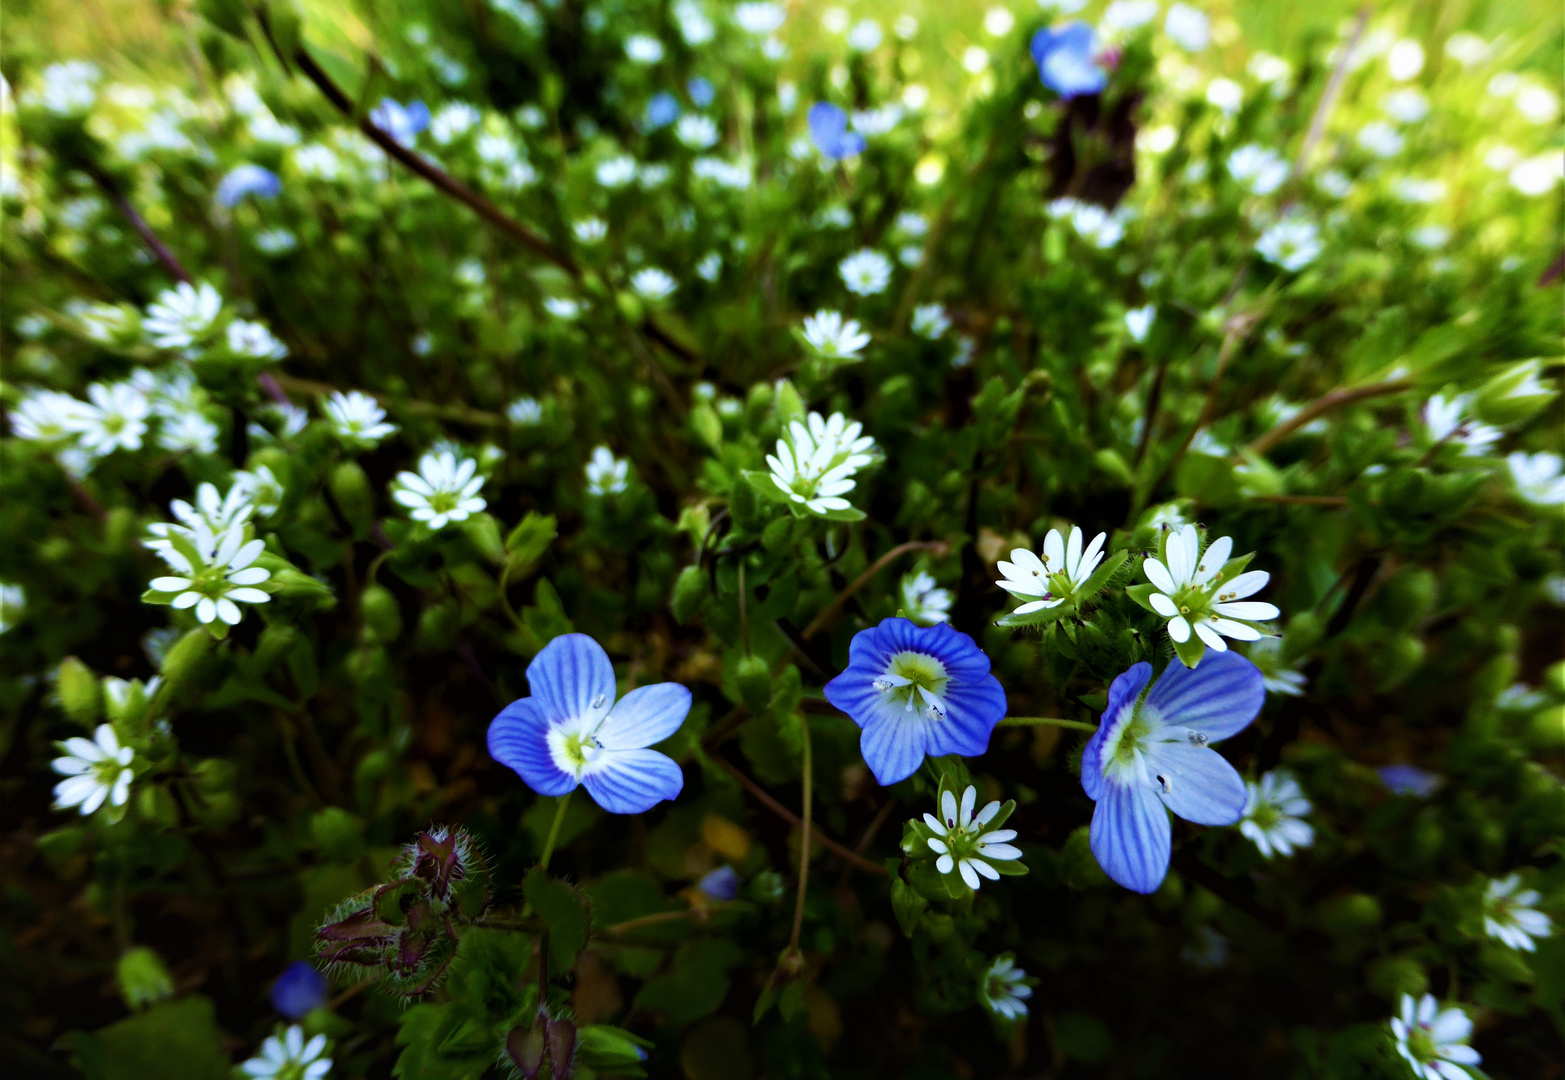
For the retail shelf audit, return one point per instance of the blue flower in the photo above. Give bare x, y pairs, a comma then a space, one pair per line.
829, 131
701, 91
917, 690
1403, 779
721, 884
401, 122
572, 732
1066, 60
246, 180
299, 990
1152, 753
662, 110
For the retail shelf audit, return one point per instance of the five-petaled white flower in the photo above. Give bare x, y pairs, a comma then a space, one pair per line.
1512, 916
923, 601
1446, 419
1004, 990
606, 474
289, 1057
116, 418
213, 569
444, 490
1192, 593
866, 272
1273, 810
47, 416
834, 337
95, 770
260, 488
182, 315
815, 463
1064, 568
357, 418
1434, 1040
964, 842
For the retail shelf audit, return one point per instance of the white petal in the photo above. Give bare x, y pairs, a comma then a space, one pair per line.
1163, 605
1179, 629
944, 864
1159, 575
969, 875
1254, 610
1213, 639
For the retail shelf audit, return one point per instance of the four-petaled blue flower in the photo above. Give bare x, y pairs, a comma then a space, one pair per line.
299, 990
1153, 753
401, 122
916, 691
662, 110
571, 731
829, 131
242, 181
1067, 60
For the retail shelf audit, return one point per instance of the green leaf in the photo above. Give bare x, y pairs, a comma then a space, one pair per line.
765, 486
177, 1040
1142, 594
1100, 577
565, 912
695, 984
1190, 650
1035, 618
907, 904
530, 539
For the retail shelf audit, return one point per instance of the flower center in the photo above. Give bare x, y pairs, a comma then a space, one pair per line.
1421, 1044
916, 681
581, 750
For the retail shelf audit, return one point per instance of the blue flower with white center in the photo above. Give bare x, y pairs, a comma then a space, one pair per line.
242, 181
572, 732
829, 131
918, 691
401, 122
1152, 754
1067, 60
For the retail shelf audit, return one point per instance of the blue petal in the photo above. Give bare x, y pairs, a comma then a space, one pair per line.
519, 739
975, 708
720, 884
1218, 697
1131, 837
1122, 694
300, 989
570, 674
632, 781
894, 743
1042, 44
1202, 786
646, 715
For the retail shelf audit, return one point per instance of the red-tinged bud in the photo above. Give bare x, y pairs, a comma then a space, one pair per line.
1110, 57
546, 1049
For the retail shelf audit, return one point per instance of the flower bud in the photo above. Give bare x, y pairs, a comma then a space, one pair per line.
142, 977
156, 804
213, 775
1394, 976
754, 677
275, 642
382, 615
631, 307
746, 507
355, 498
609, 1049
338, 834
1345, 916
437, 626
80, 694
690, 592
705, 423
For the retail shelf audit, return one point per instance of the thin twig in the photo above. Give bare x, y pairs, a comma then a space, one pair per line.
1325, 404
1046, 721
804, 839
939, 547
1328, 99
1303, 500
159, 250
765, 799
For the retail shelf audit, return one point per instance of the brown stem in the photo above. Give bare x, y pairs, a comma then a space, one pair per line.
159, 250
460, 413
1325, 404
765, 799
869, 834
939, 547
1328, 100
804, 839
1303, 500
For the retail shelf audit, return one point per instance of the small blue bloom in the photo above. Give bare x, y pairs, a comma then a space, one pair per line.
299, 990
701, 92
1405, 779
243, 181
1066, 60
662, 110
1150, 754
721, 884
829, 131
916, 691
401, 122
572, 732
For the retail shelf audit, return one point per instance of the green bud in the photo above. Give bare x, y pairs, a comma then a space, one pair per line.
1407, 597
338, 834
609, 1049
907, 903
754, 677
690, 592
120, 529
275, 642
382, 615
1113, 465
355, 497
437, 626
789, 405
155, 803
630, 307
707, 426
80, 693
1402, 657
142, 977
746, 507
212, 775
1345, 916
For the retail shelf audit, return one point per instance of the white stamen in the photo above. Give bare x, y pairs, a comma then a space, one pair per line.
1163, 780
597, 702
1196, 738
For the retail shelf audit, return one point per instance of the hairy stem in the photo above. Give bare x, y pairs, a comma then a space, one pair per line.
1325, 404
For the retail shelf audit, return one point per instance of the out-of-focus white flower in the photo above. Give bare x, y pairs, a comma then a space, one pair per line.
13, 601
872, 122
1259, 168
930, 321
1266, 654
48, 416
1004, 990
710, 267
759, 18
696, 131
524, 411
1188, 27
219, 513
68, 87
652, 283
289, 1058
1467, 49
1537, 103
1092, 223
1417, 189
1446, 420
866, 272
357, 418
115, 419
735, 174
321, 162
260, 488
1292, 243
1139, 320
1512, 916
643, 48
1268, 68
998, 22
561, 307
453, 120
923, 600
1273, 814
1433, 1040
1537, 477
1406, 106
188, 431
590, 230
182, 315
443, 491
616, 172
833, 337
1537, 175
254, 340
1380, 139
1123, 16
694, 26
1225, 95
1405, 60
865, 36
606, 474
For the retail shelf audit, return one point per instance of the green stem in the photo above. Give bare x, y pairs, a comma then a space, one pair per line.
554, 831
804, 842
1046, 721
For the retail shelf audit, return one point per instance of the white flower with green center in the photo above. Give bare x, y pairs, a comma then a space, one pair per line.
606, 474
180, 316
866, 272
1198, 592
1292, 243
13, 601
214, 570
253, 341
1512, 916
1055, 578
260, 488
923, 601
652, 283
235, 508
1273, 813
96, 771
47, 416
930, 321
833, 337
965, 843
116, 419
815, 464
1537, 477
357, 418
1434, 1040
1266, 654
444, 490
1004, 990
525, 411
289, 1057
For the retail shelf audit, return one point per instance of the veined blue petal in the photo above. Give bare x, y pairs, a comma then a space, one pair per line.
1218, 697
645, 716
519, 739
1131, 837
975, 709
569, 674
1202, 786
894, 743
1122, 695
632, 781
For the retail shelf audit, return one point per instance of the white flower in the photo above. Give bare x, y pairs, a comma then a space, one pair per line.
930, 321
998, 22
653, 174
357, 418
1406, 105
322, 162
1123, 15
1466, 49
452, 120
1272, 812
13, 601
1004, 990
188, 430
260, 488
1512, 916
1258, 168
694, 26
651, 283
95, 770
1225, 95
696, 131
219, 513
116, 419
759, 18
1418, 189
710, 267
644, 48
1537, 175
728, 174
254, 340
1092, 223
963, 841
1064, 568
1189, 28
1139, 320
68, 87
814, 465
1434, 1040
181, 315
524, 411
866, 272
1266, 654
606, 474
1269, 68
1292, 243
444, 490
1537, 103
1537, 477
865, 36
289, 1058
1380, 139
102, 323
834, 337
561, 307
616, 172
213, 568
1445, 420
590, 230
1405, 60
1192, 593
923, 601
47, 416
1334, 183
